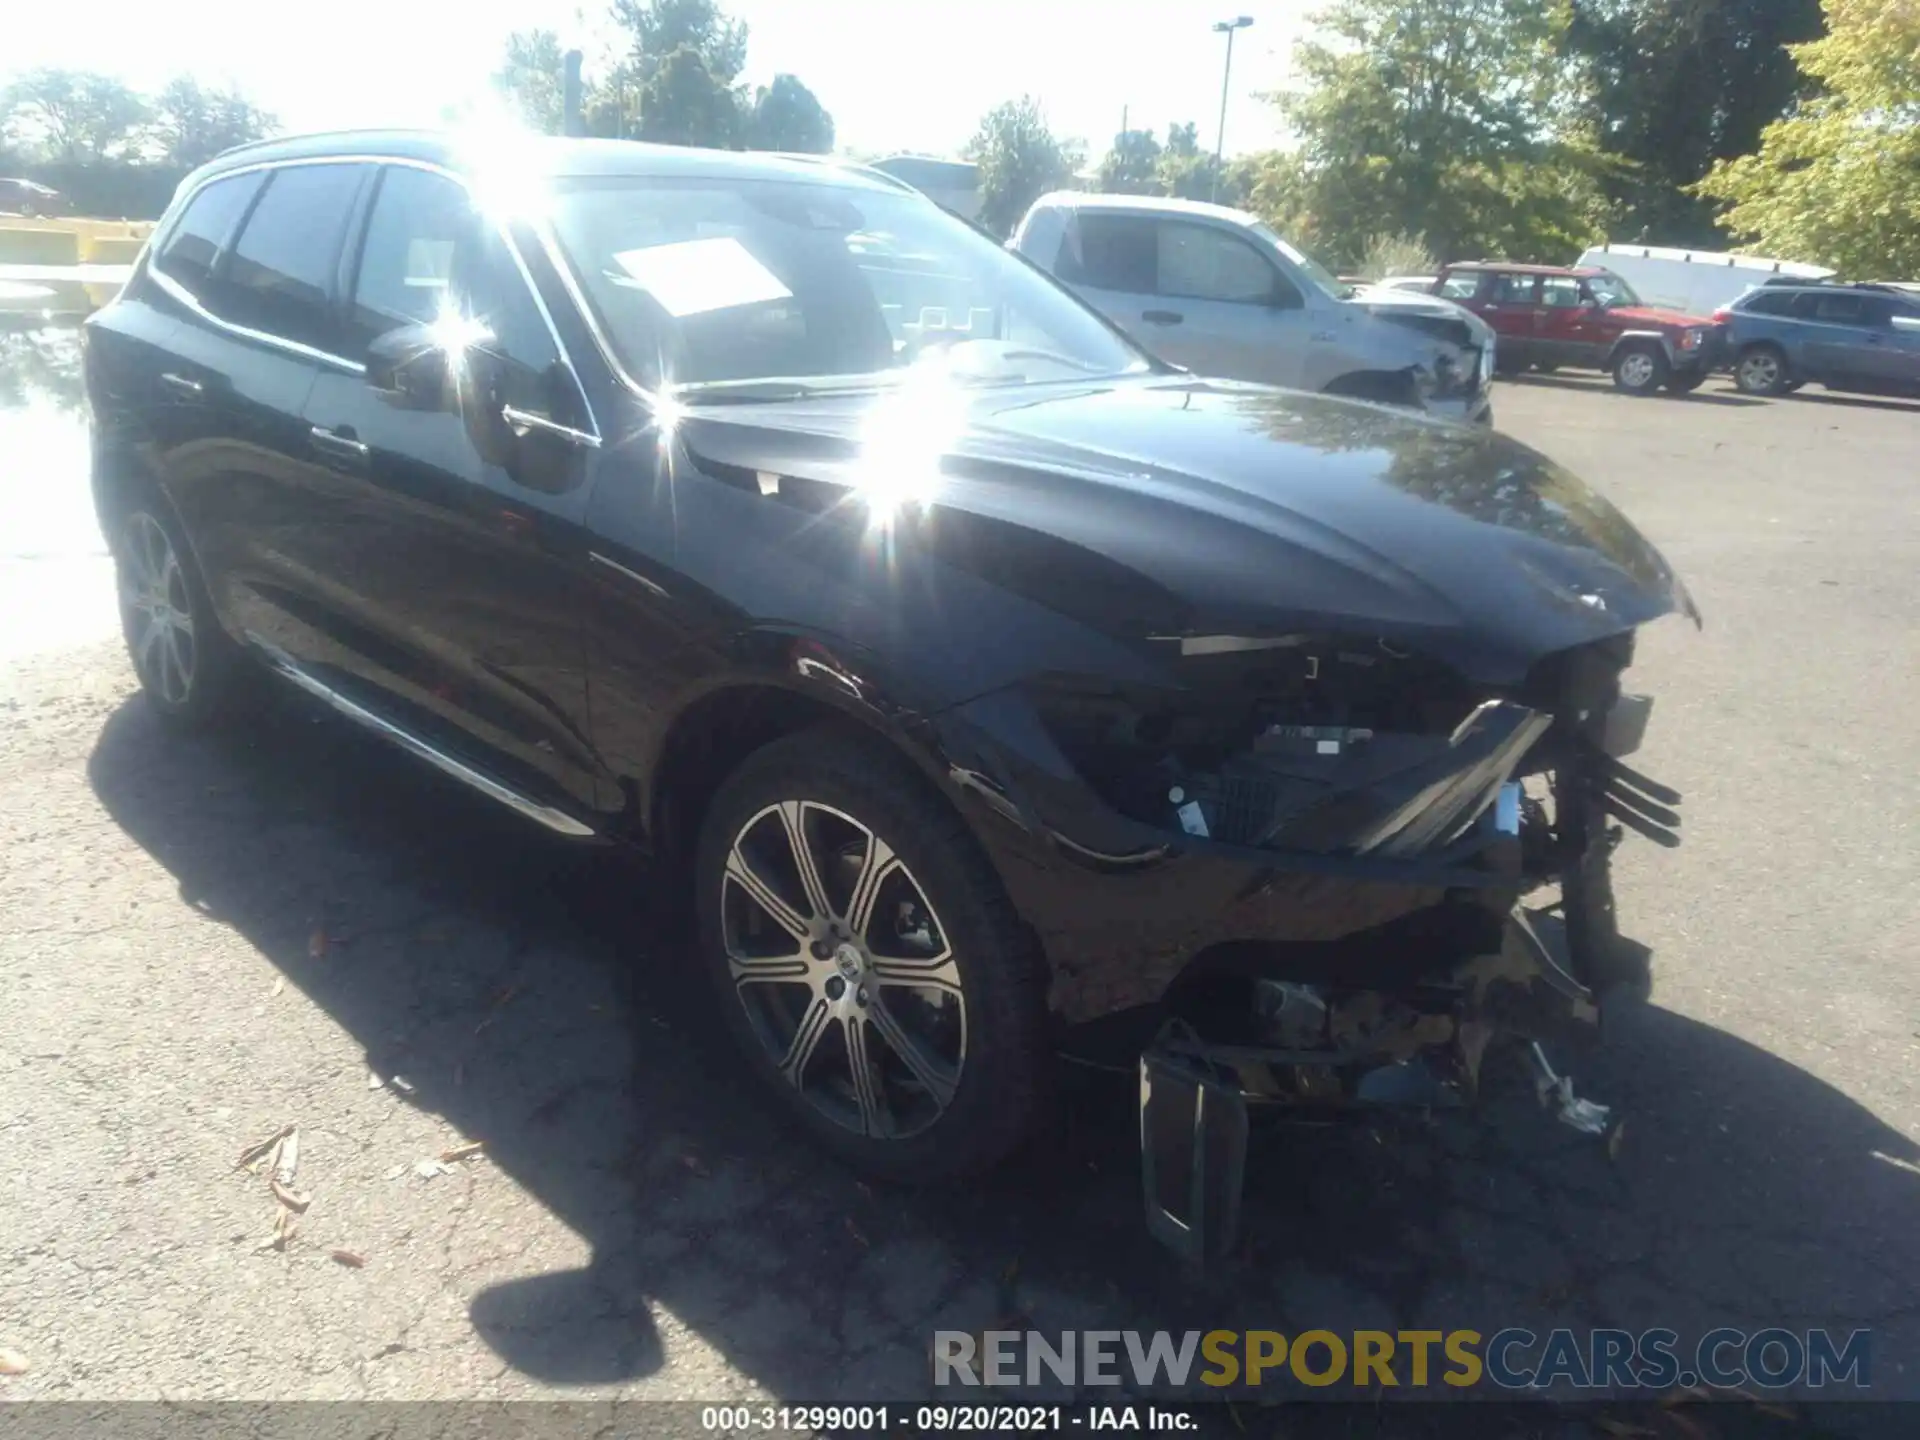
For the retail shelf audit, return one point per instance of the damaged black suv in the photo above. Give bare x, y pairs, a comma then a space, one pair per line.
975, 672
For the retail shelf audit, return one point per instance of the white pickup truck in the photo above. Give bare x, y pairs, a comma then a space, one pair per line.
1217, 292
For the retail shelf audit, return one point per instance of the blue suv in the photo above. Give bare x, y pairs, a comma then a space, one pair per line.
1846, 337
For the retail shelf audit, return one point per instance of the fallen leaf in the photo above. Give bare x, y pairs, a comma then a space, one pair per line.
352, 1259
317, 945
287, 1164
253, 1154
279, 984
695, 1164
493, 1012
859, 1239
292, 1199
462, 1152
12, 1362
285, 1226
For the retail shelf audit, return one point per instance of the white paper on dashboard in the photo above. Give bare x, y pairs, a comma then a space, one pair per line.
692, 277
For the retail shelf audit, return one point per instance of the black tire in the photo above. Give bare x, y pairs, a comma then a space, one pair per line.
1762, 370
1685, 382
921, 1122
190, 676
1640, 369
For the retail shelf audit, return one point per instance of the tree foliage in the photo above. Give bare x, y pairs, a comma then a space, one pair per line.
1456, 119
1838, 181
74, 116
1131, 164
673, 77
1020, 160
532, 78
789, 116
1675, 85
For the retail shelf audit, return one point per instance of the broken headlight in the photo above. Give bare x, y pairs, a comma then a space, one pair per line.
1313, 744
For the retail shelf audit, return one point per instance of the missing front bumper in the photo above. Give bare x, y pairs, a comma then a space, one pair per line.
1360, 1051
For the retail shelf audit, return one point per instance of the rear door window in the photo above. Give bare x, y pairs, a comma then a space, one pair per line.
1841, 309
1202, 262
1116, 252
190, 248
1560, 292
279, 277
1511, 289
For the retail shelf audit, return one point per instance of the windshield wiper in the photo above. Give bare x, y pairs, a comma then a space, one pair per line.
764, 392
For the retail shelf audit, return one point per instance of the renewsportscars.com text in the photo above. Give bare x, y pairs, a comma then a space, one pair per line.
1513, 1359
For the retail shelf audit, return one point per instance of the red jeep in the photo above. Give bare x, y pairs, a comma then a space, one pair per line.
1547, 316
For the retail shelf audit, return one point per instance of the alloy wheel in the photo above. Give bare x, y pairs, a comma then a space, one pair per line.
844, 970
1636, 370
1759, 371
157, 610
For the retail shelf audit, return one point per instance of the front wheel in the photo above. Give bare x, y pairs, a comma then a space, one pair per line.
1762, 370
1640, 370
870, 967
185, 662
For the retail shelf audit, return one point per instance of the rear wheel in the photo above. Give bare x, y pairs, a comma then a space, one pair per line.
868, 963
1762, 370
1640, 369
185, 662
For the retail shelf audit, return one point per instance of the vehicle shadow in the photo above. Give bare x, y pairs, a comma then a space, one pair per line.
1702, 396
1856, 402
541, 996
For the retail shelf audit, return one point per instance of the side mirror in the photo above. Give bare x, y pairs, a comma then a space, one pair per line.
411, 367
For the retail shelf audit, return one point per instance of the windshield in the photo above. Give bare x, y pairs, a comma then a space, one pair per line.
1306, 264
732, 285
1611, 290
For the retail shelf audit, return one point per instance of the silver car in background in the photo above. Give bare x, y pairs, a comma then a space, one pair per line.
1218, 292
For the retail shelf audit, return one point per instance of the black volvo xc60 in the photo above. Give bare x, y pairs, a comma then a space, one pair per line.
977, 672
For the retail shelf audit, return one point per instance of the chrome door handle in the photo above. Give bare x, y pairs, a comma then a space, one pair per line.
182, 385
332, 442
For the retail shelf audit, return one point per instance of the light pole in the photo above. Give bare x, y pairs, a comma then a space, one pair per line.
1226, 28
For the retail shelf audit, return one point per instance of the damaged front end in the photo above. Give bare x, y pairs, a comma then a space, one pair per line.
1417, 869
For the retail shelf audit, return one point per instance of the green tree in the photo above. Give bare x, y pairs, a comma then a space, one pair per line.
682, 63
1678, 84
1187, 171
1130, 167
192, 122
532, 79
73, 117
1020, 160
1456, 119
1838, 181
788, 116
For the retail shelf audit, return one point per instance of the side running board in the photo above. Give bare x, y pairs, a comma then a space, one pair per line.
558, 821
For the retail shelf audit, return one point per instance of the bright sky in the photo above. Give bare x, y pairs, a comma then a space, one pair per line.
896, 74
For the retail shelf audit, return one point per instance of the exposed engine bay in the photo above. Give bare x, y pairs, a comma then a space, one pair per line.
1337, 748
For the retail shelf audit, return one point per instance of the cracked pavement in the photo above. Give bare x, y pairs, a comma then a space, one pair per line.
203, 940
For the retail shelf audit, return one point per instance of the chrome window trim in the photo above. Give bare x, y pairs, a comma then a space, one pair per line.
527, 420
501, 228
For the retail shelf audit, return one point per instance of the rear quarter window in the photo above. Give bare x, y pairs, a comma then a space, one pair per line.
197, 238
1767, 302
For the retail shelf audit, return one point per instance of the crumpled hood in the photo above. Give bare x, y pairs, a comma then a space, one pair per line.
1387, 302
1174, 506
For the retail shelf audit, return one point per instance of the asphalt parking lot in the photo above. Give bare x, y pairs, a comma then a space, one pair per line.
205, 941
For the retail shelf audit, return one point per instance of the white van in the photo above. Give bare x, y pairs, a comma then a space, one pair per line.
1697, 282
